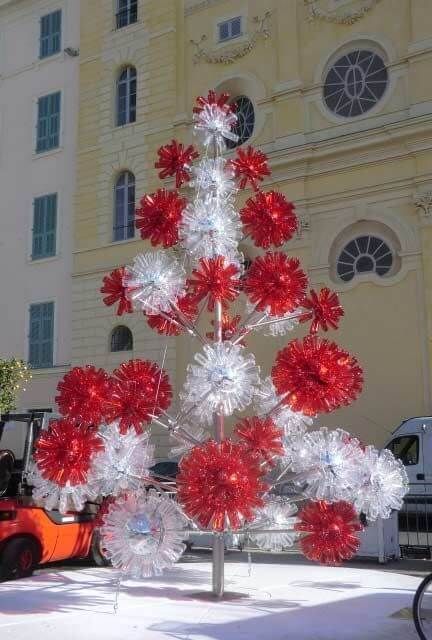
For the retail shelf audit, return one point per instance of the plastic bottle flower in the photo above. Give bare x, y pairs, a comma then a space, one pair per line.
330, 532
316, 376
175, 160
261, 437
269, 219
216, 279
116, 291
250, 165
83, 393
220, 485
158, 217
324, 309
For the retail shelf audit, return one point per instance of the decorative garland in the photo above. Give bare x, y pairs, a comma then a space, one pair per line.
349, 17
231, 55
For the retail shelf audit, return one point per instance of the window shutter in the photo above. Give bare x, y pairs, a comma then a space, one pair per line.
38, 228
54, 120
35, 328
41, 335
50, 225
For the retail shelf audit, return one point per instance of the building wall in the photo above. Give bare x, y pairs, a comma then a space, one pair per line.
25, 175
346, 176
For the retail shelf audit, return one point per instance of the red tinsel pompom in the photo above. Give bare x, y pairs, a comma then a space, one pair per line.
175, 160
250, 165
140, 389
116, 292
324, 309
316, 376
63, 453
275, 282
330, 530
262, 438
216, 278
213, 98
229, 328
158, 217
220, 484
189, 308
83, 393
269, 219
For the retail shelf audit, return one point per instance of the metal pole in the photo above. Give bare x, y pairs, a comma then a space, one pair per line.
218, 423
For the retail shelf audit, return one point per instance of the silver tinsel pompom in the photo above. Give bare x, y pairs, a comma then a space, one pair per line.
143, 534
51, 496
215, 125
384, 485
277, 513
209, 228
331, 464
122, 463
223, 380
154, 280
215, 176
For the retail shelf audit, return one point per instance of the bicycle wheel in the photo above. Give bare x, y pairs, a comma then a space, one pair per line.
422, 608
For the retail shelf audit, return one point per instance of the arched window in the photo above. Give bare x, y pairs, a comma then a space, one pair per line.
121, 339
245, 121
355, 82
124, 207
364, 254
126, 96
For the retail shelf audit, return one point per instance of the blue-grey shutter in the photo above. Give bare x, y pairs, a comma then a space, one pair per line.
50, 225
41, 335
54, 122
48, 125
50, 34
38, 228
42, 124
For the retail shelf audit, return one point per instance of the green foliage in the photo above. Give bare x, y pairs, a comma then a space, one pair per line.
14, 374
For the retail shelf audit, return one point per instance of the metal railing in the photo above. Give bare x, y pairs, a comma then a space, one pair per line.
415, 526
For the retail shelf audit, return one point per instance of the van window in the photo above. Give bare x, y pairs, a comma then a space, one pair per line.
406, 448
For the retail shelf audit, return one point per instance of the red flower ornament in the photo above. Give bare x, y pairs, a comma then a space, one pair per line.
189, 308
212, 98
250, 165
116, 291
331, 531
316, 376
269, 219
63, 453
175, 160
217, 279
139, 390
275, 282
220, 485
262, 438
83, 394
158, 217
324, 309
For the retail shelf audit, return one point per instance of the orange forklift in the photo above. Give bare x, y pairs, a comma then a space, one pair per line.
29, 534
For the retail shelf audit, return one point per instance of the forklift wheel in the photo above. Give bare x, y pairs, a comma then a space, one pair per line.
18, 559
97, 553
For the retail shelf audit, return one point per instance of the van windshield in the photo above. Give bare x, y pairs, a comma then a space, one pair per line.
406, 449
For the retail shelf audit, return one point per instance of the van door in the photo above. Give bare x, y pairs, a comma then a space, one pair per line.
409, 449
427, 455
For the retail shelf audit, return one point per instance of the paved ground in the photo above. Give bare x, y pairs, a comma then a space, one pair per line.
281, 599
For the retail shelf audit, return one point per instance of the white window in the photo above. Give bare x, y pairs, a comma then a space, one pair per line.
229, 29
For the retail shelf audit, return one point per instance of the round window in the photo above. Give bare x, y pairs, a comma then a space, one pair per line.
355, 83
365, 254
245, 121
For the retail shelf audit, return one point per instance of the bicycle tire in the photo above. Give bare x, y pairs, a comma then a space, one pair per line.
416, 604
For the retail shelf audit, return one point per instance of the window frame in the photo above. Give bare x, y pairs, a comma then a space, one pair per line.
124, 329
374, 272
229, 22
415, 439
44, 254
128, 114
47, 364
51, 35
129, 11
128, 225
47, 120
230, 144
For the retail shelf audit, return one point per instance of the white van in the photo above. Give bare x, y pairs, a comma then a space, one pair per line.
411, 442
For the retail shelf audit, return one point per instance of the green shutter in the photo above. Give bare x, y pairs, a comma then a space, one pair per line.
41, 335
44, 226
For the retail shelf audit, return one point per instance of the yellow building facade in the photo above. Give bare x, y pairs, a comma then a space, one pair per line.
337, 93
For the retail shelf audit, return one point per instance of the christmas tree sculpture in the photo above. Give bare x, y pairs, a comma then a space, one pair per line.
101, 447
